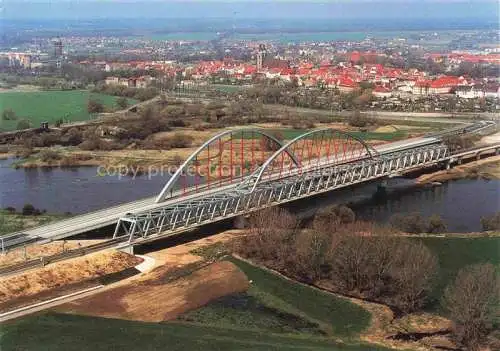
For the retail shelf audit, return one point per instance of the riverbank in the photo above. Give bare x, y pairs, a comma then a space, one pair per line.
15, 221
487, 168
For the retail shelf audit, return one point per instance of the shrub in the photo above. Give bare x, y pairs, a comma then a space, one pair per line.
410, 223
491, 222
9, 115
49, 155
180, 140
23, 124
436, 224
122, 102
332, 216
29, 210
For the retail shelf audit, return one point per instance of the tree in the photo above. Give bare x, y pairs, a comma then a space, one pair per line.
436, 224
122, 102
491, 222
23, 124
409, 223
9, 115
29, 210
471, 301
328, 218
95, 106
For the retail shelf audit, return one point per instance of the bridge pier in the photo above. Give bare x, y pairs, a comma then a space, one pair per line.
127, 249
497, 151
240, 222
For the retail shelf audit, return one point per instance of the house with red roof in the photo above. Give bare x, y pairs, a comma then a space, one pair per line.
382, 92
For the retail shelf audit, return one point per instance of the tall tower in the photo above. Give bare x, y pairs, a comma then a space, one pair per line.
58, 48
261, 54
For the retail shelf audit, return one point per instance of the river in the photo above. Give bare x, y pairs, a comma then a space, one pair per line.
460, 203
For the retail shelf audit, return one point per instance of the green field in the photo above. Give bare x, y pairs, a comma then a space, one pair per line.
455, 253
58, 332
50, 106
276, 304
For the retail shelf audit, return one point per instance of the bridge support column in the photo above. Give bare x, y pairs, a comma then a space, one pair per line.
240, 222
478, 157
127, 249
448, 165
497, 151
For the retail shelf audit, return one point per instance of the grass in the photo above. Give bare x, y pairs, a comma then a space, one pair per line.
39, 106
280, 305
12, 222
58, 332
455, 253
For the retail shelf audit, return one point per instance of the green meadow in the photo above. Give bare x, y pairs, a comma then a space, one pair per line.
50, 106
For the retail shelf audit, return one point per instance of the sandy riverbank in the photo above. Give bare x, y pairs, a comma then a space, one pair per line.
488, 168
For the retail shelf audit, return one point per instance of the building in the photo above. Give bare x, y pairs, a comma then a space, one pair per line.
261, 54
58, 48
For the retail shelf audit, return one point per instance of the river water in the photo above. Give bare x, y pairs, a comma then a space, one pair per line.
460, 203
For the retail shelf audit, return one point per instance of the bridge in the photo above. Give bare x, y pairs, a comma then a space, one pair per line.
240, 171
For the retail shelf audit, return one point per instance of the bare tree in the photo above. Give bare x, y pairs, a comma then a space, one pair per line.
270, 236
412, 270
471, 301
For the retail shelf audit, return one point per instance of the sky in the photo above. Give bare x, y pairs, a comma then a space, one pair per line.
283, 9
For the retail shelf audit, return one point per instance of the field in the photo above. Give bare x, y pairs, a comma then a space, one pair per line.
57, 332
50, 106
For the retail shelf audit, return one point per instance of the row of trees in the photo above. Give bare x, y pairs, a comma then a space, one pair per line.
360, 259
353, 257
141, 94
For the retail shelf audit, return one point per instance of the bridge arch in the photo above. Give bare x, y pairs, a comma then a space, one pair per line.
226, 158
313, 149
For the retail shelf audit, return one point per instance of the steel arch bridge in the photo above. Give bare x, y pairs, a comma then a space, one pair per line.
247, 157
244, 170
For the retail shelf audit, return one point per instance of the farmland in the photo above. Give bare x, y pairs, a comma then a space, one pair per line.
39, 106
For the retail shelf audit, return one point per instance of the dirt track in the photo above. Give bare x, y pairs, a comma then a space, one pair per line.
159, 299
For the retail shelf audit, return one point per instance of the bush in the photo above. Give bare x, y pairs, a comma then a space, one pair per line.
332, 216
29, 210
180, 140
23, 124
122, 102
94, 106
9, 115
436, 224
410, 223
49, 155
358, 120
491, 222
